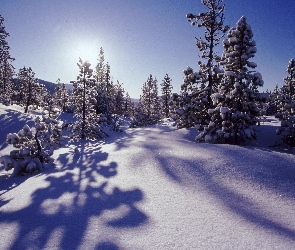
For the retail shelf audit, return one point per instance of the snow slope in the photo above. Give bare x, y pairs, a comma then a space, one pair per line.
151, 188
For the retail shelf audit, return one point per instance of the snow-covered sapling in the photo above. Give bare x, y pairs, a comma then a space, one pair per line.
34, 146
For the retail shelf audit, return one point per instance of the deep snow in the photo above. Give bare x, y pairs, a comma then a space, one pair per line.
151, 188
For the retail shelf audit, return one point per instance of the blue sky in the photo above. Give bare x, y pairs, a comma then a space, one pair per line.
139, 37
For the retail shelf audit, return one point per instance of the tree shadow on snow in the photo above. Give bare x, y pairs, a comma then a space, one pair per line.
74, 204
272, 172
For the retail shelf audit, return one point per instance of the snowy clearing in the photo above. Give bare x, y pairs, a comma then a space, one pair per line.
151, 188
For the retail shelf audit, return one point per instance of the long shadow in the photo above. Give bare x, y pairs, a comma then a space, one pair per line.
239, 204
7, 184
77, 194
272, 172
79, 190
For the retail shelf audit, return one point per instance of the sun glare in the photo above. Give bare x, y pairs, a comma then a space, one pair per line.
86, 50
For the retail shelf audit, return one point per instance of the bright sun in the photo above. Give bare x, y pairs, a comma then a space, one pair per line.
86, 50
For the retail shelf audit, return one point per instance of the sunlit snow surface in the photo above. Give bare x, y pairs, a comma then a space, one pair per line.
151, 188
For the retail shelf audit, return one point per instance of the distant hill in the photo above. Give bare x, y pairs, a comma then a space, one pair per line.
136, 100
51, 86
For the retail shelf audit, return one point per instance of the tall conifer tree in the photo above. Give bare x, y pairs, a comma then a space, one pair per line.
166, 94
29, 88
212, 22
60, 95
6, 68
83, 98
148, 110
287, 106
197, 88
235, 109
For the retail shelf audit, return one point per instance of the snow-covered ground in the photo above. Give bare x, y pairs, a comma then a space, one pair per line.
151, 188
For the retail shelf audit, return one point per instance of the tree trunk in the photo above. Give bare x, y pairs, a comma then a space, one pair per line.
39, 148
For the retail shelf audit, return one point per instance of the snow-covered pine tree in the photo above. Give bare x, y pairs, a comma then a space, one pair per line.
274, 102
287, 106
262, 101
50, 109
100, 68
287, 93
6, 68
105, 88
166, 95
235, 110
156, 106
28, 88
290, 78
60, 96
187, 109
88, 124
34, 146
44, 96
175, 108
101, 106
139, 118
119, 99
128, 106
110, 90
208, 77
148, 111
107, 94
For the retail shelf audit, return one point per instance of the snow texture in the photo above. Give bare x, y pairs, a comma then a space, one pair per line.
151, 188
224, 110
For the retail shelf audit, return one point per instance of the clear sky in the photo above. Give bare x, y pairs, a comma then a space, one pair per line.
139, 37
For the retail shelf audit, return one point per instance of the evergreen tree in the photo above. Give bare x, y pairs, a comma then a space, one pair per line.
108, 94
287, 93
128, 106
88, 125
189, 108
6, 68
104, 87
166, 95
197, 88
34, 146
290, 78
140, 117
50, 107
108, 84
60, 96
119, 99
148, 110
235, 108
50, 110
100, 68
44, 97
209, 74
29, 88
274, 102
287, 106
156, 106
175, 108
